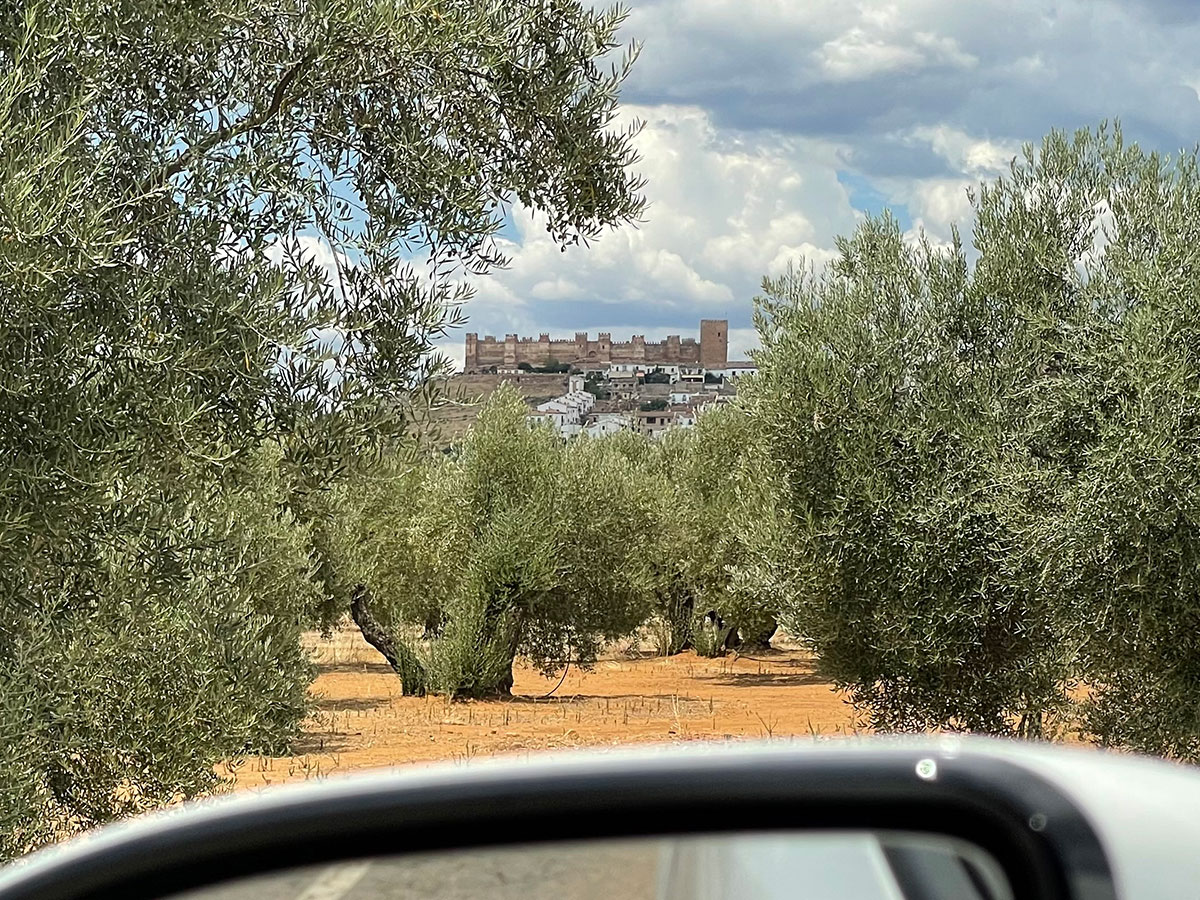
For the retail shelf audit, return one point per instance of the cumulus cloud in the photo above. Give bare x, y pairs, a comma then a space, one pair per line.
768, 121
865, 71
856, 55
963, 152
725, 209
859, 55
935, 204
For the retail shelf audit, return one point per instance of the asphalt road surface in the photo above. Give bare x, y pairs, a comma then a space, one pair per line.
766, 866
625, 870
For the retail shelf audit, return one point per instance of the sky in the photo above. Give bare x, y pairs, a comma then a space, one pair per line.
773, 126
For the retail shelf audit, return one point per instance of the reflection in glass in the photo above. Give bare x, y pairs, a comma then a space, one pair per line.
755, 866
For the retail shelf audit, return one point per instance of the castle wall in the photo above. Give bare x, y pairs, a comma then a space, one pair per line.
482, 353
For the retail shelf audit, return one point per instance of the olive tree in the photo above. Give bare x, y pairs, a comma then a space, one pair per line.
721, 496
992, 467
880, 401
228, 225
1089, 242
670, 542
515, 545
122, 688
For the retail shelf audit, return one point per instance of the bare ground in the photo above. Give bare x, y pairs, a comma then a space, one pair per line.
362, 721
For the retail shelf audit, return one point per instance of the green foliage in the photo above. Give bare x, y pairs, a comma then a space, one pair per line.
515, 545
672, 596
1105, 308
724, 496
711, 502
214, 220
879, 398
991, 469
654, 405
133, 680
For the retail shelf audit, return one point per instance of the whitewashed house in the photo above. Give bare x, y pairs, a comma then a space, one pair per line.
565, 413
732, 371
601, 424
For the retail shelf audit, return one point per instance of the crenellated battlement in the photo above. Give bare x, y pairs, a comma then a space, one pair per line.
711, 350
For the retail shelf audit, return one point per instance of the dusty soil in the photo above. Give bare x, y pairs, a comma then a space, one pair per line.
362, 721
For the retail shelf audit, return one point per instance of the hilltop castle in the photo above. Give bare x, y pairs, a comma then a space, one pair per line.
710, 352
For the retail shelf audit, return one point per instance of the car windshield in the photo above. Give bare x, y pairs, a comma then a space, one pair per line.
387, 382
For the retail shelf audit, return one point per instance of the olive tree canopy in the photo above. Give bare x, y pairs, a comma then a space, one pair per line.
991, 463
229, 230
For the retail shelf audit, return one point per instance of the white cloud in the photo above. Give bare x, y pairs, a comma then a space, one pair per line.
741, 342
944, 49
455, 351
754, 106
856, 55
940, 200
724, 210
856, 70
880, 38
1104, 229
966, 154
306, 249
937, 203
555, 287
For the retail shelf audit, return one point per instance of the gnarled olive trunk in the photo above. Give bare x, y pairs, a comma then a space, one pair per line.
733, 640
678, 608
413, 676
757, 634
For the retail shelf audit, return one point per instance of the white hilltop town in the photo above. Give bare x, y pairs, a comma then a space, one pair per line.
646, 387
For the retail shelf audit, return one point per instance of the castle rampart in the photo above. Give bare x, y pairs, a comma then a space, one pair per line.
711, 351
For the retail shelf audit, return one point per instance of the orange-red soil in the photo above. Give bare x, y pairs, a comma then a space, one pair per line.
362, 720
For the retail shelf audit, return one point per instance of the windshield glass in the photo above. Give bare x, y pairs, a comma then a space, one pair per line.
387, 382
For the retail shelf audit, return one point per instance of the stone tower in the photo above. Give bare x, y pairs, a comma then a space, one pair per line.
471, 356
714, 343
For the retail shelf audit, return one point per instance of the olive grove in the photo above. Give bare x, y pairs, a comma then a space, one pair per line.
229, 231
514, 544
989, 454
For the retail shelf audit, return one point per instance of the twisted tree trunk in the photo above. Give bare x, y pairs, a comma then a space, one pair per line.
413, 677
678, 609
757, 635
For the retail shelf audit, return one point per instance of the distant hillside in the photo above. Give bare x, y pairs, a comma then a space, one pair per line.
467, 393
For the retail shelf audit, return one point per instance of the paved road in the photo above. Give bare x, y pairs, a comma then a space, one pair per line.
593, 871
779, 866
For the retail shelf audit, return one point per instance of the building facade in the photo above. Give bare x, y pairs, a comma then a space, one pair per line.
710, 351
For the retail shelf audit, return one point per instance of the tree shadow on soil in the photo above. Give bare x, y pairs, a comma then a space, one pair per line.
357, 704
765, 679
355, 668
